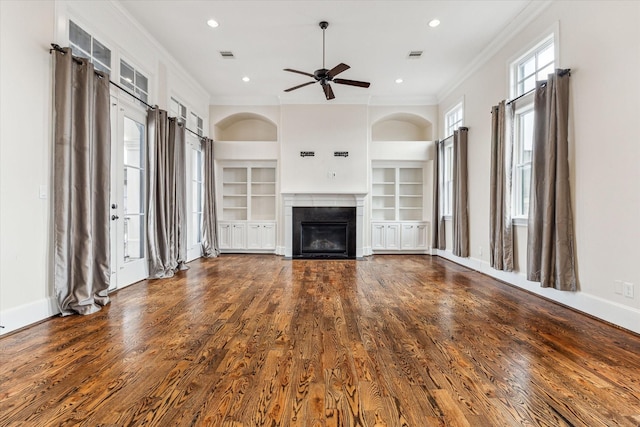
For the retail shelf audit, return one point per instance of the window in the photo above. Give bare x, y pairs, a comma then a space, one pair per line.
196, 124
522, 161
178, 110
134, 80
535, 65
453, 119
197, 184
85, 45
447, 181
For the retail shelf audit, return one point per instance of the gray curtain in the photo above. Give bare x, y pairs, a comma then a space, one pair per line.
460, 209
166, 195
500, 228
551, 254
82, 151
210, 247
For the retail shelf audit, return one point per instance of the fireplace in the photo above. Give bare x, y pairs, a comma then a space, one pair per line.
324, 232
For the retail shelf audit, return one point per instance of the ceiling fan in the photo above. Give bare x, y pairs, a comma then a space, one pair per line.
324, 76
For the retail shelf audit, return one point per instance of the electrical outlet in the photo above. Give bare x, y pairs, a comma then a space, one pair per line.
480, 251
617, 287
627, 289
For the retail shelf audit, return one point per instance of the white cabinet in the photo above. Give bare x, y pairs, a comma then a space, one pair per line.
399, 236
261, 236
385, 236
413, 236
247, 206
232, 235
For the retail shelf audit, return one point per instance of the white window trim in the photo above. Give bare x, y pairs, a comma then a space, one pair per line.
447, 210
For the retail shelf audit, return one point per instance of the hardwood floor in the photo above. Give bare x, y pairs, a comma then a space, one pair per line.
252, 340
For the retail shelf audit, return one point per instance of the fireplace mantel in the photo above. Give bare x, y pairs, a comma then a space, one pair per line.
323, 200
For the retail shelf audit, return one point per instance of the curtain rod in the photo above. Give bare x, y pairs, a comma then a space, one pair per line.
560, 73
57, 47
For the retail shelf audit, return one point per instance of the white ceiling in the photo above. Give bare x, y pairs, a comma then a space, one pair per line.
373, 37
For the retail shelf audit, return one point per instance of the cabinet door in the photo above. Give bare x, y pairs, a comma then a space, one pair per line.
408, 236
254, 234
224, 236
238, 236
392, 236
421, 236
377, 236
268, 236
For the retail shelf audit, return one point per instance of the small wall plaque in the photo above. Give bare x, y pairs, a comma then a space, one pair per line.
307, 153
340, 154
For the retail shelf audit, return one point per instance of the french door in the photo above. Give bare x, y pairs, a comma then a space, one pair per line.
128, 194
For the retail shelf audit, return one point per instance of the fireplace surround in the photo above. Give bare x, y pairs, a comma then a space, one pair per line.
324, 232
323, 200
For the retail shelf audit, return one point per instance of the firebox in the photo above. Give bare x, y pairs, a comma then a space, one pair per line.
324, 232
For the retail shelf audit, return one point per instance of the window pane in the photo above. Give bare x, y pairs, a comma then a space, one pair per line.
133, 232
525, 185
527, 135
142, 82
132, 191
133, 143
529, 84
101, 54
127, 75
80, 38
527, 68
546, 56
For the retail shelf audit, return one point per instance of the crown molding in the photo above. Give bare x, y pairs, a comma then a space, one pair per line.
524, 18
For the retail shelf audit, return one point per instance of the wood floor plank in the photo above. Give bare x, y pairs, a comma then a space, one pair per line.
257, 340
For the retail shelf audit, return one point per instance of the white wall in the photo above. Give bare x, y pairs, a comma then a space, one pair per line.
605, 154
324, 129
26, 31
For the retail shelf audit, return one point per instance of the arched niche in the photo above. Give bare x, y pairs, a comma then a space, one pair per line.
402, 127
246, 127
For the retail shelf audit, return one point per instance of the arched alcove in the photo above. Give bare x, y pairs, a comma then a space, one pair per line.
402, 127
246, 127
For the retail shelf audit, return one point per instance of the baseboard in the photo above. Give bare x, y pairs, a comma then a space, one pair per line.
610, 311
27, 314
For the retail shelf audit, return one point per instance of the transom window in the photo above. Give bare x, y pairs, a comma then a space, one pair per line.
134, 80
178, 110
196, 124
85, 45
453, 119
533, 66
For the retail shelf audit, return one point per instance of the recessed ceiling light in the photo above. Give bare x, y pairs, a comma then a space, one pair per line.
212, 23
398, 80
245, 79
434, 23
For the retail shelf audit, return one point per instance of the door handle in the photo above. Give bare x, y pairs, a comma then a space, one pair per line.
114, 217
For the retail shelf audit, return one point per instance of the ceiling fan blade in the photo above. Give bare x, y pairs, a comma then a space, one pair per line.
351, 82
328, 92
337, 70
300, 72
299, 86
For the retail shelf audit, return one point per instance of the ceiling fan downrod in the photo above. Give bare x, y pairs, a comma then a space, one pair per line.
323, 25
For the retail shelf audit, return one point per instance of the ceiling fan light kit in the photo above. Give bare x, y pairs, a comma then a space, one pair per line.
325, 76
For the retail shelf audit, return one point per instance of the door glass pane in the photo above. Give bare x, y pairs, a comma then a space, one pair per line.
133, 189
